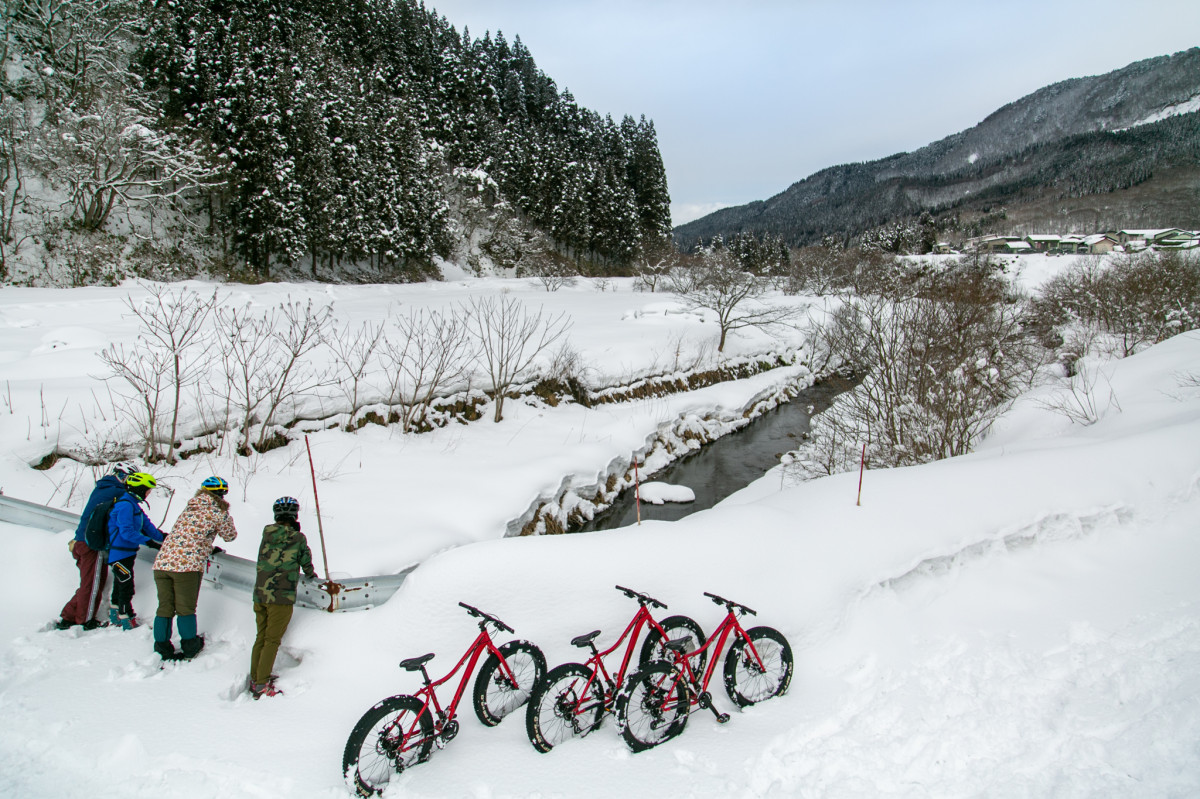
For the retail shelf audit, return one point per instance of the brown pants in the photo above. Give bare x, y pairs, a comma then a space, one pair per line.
178, 592
272, 622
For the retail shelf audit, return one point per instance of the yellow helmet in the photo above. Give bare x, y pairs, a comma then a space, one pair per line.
139, 479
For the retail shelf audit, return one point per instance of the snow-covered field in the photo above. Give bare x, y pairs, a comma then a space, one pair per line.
1023, 621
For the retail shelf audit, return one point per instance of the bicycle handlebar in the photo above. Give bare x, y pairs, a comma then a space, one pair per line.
486, 617
644, 599
729, 603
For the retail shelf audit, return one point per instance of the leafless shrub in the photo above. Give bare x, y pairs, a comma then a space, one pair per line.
144, 372
172, 322
1081, 401
1137, 299
264, 361
427, 352
353, 351
552, 272
509, 339
937, 374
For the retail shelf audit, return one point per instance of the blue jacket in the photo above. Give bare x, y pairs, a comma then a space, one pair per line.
128, 528
107, 487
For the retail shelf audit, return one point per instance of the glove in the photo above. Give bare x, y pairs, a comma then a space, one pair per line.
71, 546
154, 544
217, 550
312, 576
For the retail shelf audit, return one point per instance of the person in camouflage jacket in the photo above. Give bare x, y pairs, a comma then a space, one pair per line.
282, 555
180, 565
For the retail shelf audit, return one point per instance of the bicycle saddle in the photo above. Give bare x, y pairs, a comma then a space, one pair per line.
679, 644
584, 640
415, 664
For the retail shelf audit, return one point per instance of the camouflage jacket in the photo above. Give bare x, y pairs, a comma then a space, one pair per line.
283, 554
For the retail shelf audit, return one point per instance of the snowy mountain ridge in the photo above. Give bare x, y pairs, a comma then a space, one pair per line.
1036, 162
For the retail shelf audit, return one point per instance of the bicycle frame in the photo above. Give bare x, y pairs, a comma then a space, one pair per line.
482, 646
633, 630
445, 720
729, 626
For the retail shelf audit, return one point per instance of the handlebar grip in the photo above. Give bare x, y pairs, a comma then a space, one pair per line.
645, 599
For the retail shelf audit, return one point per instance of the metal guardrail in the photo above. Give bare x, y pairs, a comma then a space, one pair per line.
229, 571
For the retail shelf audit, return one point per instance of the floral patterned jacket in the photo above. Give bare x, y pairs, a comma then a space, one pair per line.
190, 543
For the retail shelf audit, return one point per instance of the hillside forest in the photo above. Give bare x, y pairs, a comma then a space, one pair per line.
301, 139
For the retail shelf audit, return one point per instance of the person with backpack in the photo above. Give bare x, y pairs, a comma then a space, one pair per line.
92, 558
282, 555
180, 563
128, 529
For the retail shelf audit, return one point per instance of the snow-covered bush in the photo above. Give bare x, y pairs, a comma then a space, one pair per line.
1123, 304
939, 366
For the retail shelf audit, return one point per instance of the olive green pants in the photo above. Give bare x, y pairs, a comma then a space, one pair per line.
178, 592
272, 622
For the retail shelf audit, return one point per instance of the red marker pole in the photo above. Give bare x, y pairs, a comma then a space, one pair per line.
317, 502
861, 465
637, 491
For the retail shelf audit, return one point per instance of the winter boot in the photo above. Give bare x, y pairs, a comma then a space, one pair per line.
162, 638
261, 689
113, 615
190, 647
189, 642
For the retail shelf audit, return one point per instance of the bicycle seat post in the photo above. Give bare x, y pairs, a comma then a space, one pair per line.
425, 676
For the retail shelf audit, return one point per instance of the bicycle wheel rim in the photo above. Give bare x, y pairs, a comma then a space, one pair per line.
570, 707
758, 684
655, 707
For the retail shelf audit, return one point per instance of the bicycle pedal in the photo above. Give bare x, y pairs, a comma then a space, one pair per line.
721, 717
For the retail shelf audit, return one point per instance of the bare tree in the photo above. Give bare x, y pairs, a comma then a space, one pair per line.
13, 133
510, 338
109, 154
353, 352
265, 363
144, 369
173, 325
430, 351
719, 284
655, 263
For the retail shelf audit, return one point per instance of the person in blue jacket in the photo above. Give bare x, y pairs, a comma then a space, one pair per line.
128, 529
83, 607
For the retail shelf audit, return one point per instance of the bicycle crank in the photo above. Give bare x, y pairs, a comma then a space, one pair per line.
447, 734
705, 701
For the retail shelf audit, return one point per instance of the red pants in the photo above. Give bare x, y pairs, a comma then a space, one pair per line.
93, 574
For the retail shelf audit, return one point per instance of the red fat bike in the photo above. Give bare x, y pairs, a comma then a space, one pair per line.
572, 700
655, 703
401, 731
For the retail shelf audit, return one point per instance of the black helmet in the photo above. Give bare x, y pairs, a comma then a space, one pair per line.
286, 506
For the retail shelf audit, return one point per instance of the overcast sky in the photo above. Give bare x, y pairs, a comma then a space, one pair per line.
750, 97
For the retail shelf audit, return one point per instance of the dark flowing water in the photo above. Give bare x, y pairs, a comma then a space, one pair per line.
728, 464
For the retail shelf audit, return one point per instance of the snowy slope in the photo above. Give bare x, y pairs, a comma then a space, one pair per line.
1023, 621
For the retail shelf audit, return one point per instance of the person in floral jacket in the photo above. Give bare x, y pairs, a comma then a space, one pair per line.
180, 564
